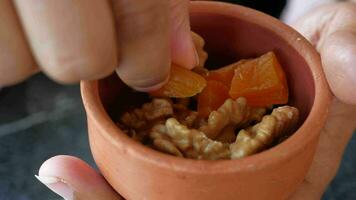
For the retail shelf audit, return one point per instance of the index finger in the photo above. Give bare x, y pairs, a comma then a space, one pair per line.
71, 40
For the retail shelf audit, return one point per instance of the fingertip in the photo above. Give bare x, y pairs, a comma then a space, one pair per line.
145, 79
183, 50
72, 178
152, 87
144, 42
54, 174
62, 165
201, 54
338, 56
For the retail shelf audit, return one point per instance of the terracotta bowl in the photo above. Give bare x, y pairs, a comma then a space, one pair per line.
231, 32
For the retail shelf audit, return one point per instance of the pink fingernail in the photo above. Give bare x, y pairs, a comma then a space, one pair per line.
197, 60
152, 88
58, 186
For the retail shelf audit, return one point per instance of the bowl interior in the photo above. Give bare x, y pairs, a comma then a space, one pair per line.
228, 39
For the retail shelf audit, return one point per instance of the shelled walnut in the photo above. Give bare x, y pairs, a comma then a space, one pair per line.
193, 143
260, 136
232, 113
177, 139
220, 114
162, 142
170, 130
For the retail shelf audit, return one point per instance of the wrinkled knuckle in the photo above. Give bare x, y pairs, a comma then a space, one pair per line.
143, 79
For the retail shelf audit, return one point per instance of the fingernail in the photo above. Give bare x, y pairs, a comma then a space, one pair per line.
154, 87
197, 60
58, 186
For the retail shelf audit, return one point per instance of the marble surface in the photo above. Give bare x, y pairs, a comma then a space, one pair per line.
40, 119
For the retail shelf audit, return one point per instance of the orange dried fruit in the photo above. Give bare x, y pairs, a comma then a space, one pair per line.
224, 74
261, 81
212, 97
182, 83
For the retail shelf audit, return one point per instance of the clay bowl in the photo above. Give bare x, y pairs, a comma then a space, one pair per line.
231, 32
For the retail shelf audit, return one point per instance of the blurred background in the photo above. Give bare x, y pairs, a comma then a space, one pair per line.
40, 119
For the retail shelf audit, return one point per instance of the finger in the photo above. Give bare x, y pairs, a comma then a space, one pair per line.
16, 61
338, 50
144, 42
297, 8
338, 56
332, 143
333, 30
73, 179
71, 40
183, 50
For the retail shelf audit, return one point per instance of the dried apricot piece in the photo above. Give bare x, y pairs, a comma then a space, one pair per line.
212, 97
224, 74
261, 81
182, 83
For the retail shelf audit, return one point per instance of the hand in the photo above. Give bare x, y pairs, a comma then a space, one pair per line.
330, 29
76, 40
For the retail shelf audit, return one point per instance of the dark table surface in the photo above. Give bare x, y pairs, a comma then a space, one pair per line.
40, 119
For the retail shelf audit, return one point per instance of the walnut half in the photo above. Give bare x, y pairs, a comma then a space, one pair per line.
193, 143
260, 136
233, 113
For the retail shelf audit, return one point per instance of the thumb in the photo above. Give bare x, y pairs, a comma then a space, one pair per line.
72, 179
183, 50
332, 29
146, 29
338, 56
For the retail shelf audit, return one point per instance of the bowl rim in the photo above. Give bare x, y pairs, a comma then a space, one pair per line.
306, 133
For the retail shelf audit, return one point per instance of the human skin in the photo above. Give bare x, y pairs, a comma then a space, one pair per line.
85, 40
331, 29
